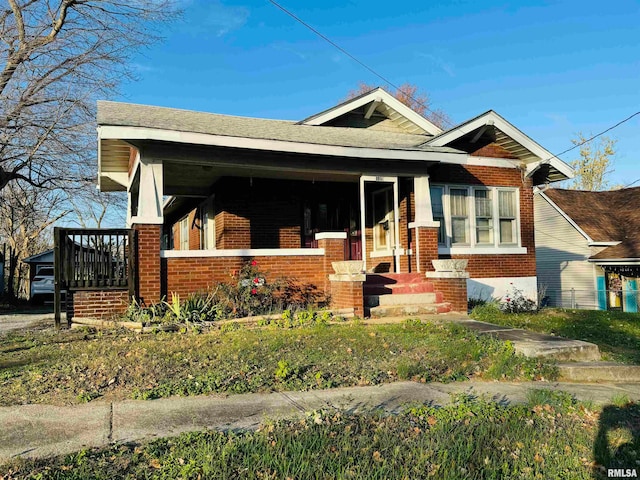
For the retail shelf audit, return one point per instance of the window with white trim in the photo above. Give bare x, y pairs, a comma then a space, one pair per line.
508, 212
476, 216
484, 216
437, 207
459, 216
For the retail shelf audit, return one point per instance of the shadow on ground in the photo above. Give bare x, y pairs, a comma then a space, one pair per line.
617, 443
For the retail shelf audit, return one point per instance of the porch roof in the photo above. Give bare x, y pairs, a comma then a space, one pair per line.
162, 118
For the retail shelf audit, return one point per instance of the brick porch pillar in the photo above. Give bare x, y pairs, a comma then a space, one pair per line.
426, 242
148, 278
347, 291
333, 244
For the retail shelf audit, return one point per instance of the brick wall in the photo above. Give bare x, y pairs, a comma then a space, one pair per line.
496, 265
100, 304
188, 275
148, 271
454, 291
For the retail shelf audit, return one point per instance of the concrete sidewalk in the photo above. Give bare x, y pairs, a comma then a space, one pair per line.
42, 430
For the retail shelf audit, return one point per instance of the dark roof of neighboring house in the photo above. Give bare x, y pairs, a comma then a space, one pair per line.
611, 216
44, 257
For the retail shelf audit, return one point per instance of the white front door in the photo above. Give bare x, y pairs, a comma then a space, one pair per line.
383, 221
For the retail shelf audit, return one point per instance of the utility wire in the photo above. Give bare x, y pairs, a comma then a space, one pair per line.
593, 138
436, 114
359, 62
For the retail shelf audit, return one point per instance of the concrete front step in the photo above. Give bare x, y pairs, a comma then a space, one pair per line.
392, 278
394, 289
599, 372
403, 310
533, 344
402, 299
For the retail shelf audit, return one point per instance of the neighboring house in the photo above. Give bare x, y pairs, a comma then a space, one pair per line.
40, 274
368, 179
588, 247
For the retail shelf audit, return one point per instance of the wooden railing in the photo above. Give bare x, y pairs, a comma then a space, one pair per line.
93, 259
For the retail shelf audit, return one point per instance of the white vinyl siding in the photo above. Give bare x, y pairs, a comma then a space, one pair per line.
562, 258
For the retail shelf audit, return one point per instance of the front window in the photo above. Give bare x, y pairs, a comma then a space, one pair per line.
507, 208
471, 216
484, 216
438, 212
459, 216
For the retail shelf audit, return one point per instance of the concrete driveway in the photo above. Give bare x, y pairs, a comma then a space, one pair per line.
27, 320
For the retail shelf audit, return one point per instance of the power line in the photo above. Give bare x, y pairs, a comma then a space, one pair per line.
593, 138
436, 114
359, 62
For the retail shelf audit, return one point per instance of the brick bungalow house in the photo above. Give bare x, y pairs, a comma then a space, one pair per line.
368, 179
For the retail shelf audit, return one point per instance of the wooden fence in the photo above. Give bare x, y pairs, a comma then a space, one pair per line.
93, 259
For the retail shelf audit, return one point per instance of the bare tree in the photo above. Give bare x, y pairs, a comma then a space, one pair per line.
91, 208
56, 57
412, 97
26, 216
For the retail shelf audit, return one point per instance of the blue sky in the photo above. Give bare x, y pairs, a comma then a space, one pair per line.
552, 68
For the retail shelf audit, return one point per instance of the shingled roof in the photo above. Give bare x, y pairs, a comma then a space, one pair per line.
611, 216
132, 115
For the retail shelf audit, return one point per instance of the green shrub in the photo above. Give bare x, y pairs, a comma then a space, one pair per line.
249, 293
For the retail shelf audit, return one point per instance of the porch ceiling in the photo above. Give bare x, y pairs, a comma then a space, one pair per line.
190, 171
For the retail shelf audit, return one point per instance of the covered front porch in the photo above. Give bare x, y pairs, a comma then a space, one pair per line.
213, 202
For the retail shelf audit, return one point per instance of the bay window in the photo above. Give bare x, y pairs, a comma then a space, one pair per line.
476, 218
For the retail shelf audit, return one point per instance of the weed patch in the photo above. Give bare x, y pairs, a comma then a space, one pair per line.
470, 438
75, 367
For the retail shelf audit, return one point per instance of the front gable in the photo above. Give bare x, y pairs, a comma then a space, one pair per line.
491, 135
377, 110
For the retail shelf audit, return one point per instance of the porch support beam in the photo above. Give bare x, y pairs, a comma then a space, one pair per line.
150, 192
424, 212
371, 109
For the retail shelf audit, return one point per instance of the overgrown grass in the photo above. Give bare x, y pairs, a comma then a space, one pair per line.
552, 437
617, 334
78, 366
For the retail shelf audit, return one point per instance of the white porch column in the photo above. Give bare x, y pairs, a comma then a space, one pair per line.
363, 234
150, 193
396, 221
422, 199
423, 216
